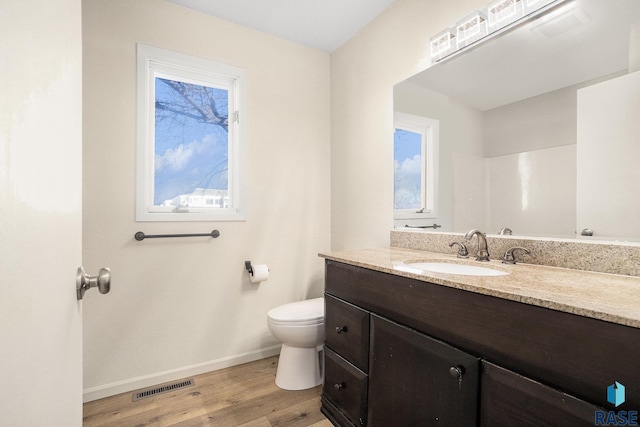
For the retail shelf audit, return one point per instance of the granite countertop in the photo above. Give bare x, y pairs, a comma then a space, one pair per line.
610, 297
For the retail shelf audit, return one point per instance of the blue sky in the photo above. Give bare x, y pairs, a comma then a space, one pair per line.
188, 153
407, 159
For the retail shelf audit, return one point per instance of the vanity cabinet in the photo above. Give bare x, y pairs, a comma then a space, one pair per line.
519, 364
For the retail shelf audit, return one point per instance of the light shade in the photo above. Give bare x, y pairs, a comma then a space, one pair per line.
471, 28
443, 44
503, 12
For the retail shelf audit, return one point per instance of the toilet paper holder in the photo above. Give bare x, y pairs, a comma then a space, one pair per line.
257, 273
249, 267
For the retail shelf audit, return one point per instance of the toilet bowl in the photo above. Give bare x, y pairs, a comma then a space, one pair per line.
299, 326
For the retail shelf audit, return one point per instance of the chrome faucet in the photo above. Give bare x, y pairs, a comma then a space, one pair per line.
505, 231
509, 256
483, 251
462, 249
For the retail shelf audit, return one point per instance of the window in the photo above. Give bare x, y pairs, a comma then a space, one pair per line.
189, 138
415, 154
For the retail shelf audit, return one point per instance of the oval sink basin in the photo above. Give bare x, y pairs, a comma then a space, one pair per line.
451, 268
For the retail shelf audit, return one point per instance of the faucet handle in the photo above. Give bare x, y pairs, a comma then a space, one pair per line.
462, 249
509, 256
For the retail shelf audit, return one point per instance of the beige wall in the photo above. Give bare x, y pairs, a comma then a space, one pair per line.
544, 121
363, 73
182, 305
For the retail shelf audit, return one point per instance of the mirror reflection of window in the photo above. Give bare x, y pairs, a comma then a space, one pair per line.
414, 155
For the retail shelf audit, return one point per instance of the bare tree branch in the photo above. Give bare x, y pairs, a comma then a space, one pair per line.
197, 103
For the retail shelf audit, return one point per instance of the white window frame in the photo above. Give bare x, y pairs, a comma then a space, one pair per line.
429, 129
153, 62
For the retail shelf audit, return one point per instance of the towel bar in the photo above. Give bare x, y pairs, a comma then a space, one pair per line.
139, 236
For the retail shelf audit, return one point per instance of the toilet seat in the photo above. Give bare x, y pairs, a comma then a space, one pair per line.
301, 313
296, 322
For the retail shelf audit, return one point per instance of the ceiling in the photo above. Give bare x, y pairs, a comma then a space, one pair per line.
323, 25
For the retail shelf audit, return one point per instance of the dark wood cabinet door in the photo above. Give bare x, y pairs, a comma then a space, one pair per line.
415, 380
509, 399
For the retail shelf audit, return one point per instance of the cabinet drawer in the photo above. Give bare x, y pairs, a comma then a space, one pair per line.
346, 387
510, 399
347, 331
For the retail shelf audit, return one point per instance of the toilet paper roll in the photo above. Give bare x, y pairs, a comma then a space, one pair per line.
260, 273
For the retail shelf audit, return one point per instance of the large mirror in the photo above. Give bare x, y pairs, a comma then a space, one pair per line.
539, 127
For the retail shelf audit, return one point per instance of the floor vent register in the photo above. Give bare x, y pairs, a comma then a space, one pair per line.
139, 395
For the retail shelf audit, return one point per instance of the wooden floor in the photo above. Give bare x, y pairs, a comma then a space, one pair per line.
244, 395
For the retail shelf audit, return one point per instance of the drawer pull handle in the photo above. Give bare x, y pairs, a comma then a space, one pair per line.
339, 386
341, 329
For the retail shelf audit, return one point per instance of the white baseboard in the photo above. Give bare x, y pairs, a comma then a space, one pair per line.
100, 392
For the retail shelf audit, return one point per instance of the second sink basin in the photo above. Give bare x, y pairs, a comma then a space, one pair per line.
451, 268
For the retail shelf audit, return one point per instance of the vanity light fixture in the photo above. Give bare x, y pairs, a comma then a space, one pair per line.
497, 17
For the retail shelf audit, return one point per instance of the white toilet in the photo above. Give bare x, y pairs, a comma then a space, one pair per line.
300, 328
